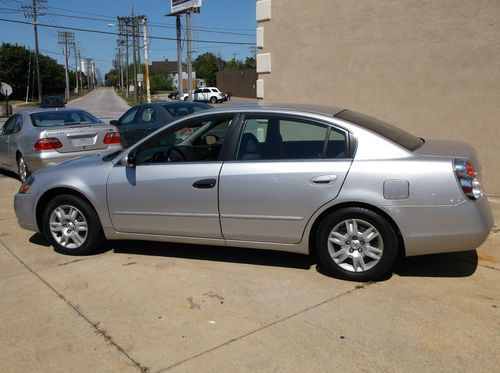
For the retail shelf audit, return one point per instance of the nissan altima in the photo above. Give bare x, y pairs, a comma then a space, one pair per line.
348, 188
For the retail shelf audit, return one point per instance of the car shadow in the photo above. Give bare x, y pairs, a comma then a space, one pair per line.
462, 264
10, 174
213, 253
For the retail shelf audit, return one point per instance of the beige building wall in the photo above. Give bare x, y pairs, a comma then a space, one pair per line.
429, 66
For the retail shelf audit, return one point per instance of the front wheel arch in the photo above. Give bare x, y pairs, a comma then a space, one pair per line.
49, 195
328, 211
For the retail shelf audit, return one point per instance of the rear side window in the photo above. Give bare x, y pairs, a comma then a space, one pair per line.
267, 138
395, 134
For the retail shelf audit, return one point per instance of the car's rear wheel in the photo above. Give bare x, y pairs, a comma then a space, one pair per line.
72, 225
22, 168
356, 244
213, 99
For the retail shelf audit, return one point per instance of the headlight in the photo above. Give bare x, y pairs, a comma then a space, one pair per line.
26, 185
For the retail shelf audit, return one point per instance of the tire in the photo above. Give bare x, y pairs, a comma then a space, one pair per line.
22, 168
72, 226
356, 244
186, 98
213, 100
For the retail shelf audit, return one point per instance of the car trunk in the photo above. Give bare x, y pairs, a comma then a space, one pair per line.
448, 148
80, 137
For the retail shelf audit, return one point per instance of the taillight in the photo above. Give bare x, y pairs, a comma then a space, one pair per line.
112, 138
468, 179
50, 143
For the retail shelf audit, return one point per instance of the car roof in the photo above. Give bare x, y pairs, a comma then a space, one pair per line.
175, 103
38, 110
312, 109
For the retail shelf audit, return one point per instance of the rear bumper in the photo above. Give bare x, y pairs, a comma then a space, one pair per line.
24, 206
441, 229
47, 158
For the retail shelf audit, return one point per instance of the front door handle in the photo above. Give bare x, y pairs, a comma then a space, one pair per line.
324, 179
205, 184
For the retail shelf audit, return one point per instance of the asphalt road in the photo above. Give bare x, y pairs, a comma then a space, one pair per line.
102, 102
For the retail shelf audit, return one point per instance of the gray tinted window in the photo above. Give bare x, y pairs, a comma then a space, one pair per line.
389, 131
62, 118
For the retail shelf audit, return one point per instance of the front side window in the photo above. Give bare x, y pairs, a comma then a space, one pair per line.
197, 141
273, 137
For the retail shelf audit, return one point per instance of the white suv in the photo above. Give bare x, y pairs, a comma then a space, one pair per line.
206, 94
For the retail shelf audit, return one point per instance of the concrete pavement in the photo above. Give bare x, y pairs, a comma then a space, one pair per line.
166, 307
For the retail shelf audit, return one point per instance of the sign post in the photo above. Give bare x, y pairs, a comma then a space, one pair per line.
6, 90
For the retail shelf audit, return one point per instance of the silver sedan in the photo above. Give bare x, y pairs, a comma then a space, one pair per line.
351, 189
35, 138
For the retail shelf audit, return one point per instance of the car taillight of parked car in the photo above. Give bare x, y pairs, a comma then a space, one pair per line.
112, 138
468, 179
50, 143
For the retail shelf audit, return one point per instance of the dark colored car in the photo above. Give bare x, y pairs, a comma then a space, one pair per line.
52, 102
140, 120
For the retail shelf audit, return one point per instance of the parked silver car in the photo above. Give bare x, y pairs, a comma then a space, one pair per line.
33, 139
353, 190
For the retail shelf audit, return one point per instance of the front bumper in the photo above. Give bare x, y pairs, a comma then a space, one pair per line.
25, 208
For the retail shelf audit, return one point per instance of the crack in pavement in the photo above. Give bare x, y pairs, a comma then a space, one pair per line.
472, 262
95, 325
358, 287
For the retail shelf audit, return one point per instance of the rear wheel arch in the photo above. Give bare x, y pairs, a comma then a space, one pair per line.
328, 211
49, 195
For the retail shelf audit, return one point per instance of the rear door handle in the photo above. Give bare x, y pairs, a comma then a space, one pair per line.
205, 184
324, 179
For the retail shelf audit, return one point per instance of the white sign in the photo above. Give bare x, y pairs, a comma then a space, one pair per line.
5, 89
182, 5
140, 77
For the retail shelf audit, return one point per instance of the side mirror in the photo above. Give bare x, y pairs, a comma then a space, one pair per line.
131, 159
114, 122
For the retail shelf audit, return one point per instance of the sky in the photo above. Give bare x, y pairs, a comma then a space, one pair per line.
221, 21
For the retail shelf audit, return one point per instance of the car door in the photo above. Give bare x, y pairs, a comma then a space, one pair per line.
284, 170
173, 188
5, 137
126, 125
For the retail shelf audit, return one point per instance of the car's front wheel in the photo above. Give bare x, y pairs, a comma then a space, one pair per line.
356, 244
72, 225
213, 99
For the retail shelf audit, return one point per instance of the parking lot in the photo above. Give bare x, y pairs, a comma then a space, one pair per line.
168, 307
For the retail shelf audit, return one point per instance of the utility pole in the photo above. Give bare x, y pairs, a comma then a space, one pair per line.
31, 11
123, 40
77, 88
179, 56
29, 75
134, 46
146, 59
66, 38
189, 66
80, 66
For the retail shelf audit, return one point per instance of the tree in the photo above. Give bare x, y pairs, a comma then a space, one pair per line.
14, 65
206, 67
161, 82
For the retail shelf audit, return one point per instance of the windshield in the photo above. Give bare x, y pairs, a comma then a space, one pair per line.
62, 118
387, 130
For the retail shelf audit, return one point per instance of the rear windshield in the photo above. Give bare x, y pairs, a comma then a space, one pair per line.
52, 100
387, 130
180, 110
62, 118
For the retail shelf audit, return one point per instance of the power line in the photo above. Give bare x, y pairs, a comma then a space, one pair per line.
117, 34
156, 25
